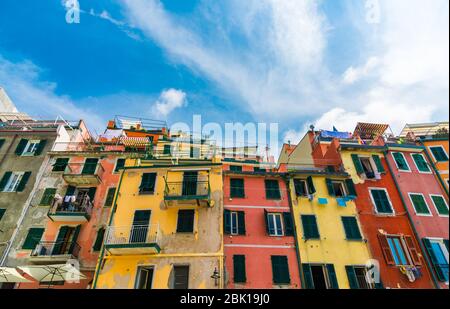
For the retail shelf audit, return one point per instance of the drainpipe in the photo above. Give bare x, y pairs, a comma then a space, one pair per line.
436, 172
297, 247
416, 234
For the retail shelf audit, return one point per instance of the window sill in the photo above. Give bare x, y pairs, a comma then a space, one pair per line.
146, 193
355, 239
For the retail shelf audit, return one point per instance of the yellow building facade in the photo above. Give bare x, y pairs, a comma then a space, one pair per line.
166, 227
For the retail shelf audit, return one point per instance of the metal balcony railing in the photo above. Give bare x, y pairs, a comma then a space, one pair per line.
56, 248
81, 168
83, 206
134, 234
187, 189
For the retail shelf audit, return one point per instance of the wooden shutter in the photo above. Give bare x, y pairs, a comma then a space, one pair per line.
90, 165
185, 221
227, 221
241, 222
378, 163
351, 275
266, 219
351, 187
239, 270
237, 188
386, 249
74, 244
99, 240
311, 187
307, 275
310, 229
110, 197
280, 270
59, 245
148, 183
33, 238
272, 189
21, 146
119, 164
23, 181
351, 228
2, 141
91, 193
332, 276
70, 190
288, 224
60, 164
4, 180
2, 212
299, 188
437, 269
446, 243
414, 253
358, 165
47, 197
330, 187
40, 147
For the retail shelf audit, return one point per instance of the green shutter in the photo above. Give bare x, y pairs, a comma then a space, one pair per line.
307, 275
332, 276
381, 201
91, 193
47, 197
119, 164
288, 224
185, 221
167, 149
21, 146
351, 187
4, 180
269, 230
351, 275
33, 238
379, 165
59, 240
357, 162
280, 270
272, 189
2, 141
439, 154
99, 240
351, 228
148, 183
310, 229
440, 204
60, 164
239, 269
437, 267
330, 187
227, 221
419, 204
446, 243
23, 181
70, 190
311, 187
40, 147
421, 163
110, 197
237, 188
299, 188
2, 213
400, 160
241, 223
74, 239
90, 165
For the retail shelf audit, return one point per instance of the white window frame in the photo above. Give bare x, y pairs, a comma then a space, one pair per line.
406, 161
138, 275
372, 164
343, 187
35, 144
375, 205
236, 214
434, 204
273, 215
306, 188
437, 146
440, 241
430, 214
10, 181
417, 168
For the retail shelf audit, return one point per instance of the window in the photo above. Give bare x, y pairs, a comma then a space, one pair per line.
185, 221
181, 277
274, 223
351, 228
397, 250
2, 141
320, 276
33, 238
357, 277
438, 252
272, 189
400, 161
148, 183
110, 197
439, 153
30, 148
440, 204
99, 239
167, 149
90, 166
234, 222
258, 169
421, 163
48, 196
369, 171
280, 270
60, 164
2, 213
336, 188
239, 269
144, 278
419, 203
301, 188
381, 201
14, 181
120, 163
235, 168
310, 229
237, 188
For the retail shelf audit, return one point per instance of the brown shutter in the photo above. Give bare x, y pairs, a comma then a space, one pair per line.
386, 250
413, 250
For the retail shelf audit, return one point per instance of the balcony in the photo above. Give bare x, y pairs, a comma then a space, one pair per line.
77, 211
54, 252
188, 191
133, 240
83, 174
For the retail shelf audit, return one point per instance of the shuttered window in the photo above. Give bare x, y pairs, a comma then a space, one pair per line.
120, 163
60, 164
381, 201
2, 213
351, 228
110, 197
90, 166
185, 222
421, 163
310, 229
47, 197
436, 251
419, 203
181, 277
33, 238
288, 224
148, 183
357, 163
235, 168
440, 204
400, 161
439, 153
2, 141
300, 187
378, 164
237, 188
280, 270
99, 239
272, 189
239, 270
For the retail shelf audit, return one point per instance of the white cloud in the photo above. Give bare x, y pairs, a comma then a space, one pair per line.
352, 74
168, 101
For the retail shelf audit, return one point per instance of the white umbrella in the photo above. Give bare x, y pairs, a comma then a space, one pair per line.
8, 274
53, 273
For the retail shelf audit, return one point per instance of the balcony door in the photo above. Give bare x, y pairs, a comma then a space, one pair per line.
66, 240
190, 183
90, 165
139, 230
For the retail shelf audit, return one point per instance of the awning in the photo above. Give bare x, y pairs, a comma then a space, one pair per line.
53, 273
136, 141
8, 274
370, 130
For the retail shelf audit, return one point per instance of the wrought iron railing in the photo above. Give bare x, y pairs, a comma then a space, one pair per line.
56, 248
83, 206
186, 189
80, 168
134, 234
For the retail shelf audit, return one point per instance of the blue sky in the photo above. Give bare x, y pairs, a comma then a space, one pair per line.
288, 61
